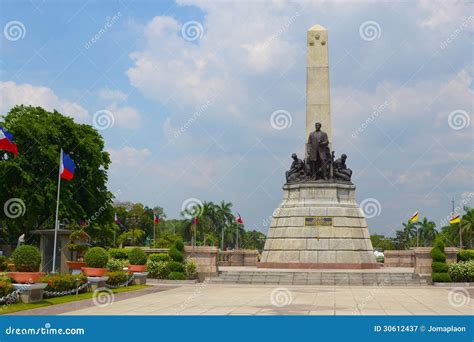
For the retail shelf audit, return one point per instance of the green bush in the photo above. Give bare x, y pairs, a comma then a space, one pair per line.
26, 258
6, 286
63, 282
118, 253
96, 257
157, 269
3, 263
177, 276
439, 267
466, 255
179, 245
191, 268
117, 278
137, 256
462, 271
159, 257
439, 242
441, 278
437, 255
115, 265
175, 266
175, 254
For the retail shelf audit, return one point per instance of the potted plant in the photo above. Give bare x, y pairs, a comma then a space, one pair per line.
137, 259
78, 244
27, 261
96, 259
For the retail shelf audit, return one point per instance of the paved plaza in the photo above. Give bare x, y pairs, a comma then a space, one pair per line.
213, 299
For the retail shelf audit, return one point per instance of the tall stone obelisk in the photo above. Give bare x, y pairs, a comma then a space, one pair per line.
318, 223
318, 106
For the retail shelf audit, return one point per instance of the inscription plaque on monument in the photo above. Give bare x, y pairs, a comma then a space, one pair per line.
318, 221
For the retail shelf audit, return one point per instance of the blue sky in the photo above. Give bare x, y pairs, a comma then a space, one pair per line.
191, 108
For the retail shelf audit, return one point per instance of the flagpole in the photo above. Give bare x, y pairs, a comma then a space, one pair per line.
237, 244
154, 231
56, 222
460, 233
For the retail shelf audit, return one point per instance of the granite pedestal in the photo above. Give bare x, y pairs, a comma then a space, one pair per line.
318, 225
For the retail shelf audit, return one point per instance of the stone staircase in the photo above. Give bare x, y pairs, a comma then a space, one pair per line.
337, 278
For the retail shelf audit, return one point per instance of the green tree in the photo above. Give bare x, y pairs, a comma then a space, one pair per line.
381, 242
32, 177
427, 232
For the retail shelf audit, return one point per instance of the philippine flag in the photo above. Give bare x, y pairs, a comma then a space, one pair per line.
156, 219
195, 220
67, 167
6, 142
239, 219
117, 221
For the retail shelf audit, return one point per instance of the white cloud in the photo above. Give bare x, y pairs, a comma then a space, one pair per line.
444, 14
128, 156
126, 117
15, 94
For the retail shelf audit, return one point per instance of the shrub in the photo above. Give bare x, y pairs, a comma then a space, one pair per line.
117, 278
179, 245
466, 255
118, 253
137, 256
439, 243
175, 254
462, 271
3, 263
6, 286
114, 265
26, 258
96, 257
441, 278
159, 257
175, 266
437, 255
63, 282
157, 269
439, 267
191, 268
177, 276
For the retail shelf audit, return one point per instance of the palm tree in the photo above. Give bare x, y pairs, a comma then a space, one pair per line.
467, 227
427, 231
225, 217
411, 232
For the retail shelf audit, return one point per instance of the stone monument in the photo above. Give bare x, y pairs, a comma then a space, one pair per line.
318, 224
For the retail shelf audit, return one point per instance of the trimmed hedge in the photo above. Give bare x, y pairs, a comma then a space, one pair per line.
441, 278
177, 276
437, 255
175, 266
118, 253
137, 256
175, 254
63, 282
179, 245
439, 267
114, 265
117, 278
157, 269
96, 257
466, 255
462, 271
26, 258
159, 257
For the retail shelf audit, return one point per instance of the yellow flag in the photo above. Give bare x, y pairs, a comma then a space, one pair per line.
456, 218
414, 217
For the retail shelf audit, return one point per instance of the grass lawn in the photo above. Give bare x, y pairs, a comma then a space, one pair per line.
6, 309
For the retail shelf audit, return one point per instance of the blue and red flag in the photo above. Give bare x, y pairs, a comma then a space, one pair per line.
239, 219
195, 220
117, 220
67, 167
6, 142
156, 219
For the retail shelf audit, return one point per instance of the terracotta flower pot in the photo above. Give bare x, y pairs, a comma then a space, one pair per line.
75, 265
94, 272
136, 268
25, 277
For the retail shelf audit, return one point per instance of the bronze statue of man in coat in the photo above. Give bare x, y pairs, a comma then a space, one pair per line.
318, 154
